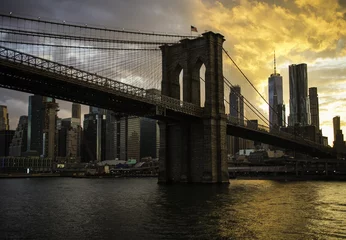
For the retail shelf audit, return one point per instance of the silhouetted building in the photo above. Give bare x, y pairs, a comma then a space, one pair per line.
314, 108
127, 140
149, 138
36, 121
110, 135
94, 137
299, 100
50, 128
336, 125
19, 141
276, 115
306, 132
4, 120
70, 140
339, 143
236, 101
76, 112
5, 142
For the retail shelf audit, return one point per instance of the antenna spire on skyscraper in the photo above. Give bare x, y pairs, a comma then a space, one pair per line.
274, 63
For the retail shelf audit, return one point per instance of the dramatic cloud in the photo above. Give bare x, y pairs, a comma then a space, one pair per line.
310, 31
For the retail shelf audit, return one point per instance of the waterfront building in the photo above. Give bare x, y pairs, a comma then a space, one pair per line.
19, 141
6, 137
4, 120
299, 100
277, 113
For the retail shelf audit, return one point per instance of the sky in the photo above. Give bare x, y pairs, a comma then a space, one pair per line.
300, 31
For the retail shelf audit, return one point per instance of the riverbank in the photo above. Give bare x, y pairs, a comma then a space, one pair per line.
33, 175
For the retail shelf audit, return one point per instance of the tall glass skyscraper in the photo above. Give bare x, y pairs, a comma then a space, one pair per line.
276, 108
299, 100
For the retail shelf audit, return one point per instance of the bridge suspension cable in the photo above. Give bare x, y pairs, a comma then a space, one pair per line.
248, 104
248, 80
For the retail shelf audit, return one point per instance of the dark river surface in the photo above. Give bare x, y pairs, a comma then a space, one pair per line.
66, 208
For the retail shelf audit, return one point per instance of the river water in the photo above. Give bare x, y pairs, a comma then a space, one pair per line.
139, 208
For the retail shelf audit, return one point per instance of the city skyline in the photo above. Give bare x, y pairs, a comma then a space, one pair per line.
269, 27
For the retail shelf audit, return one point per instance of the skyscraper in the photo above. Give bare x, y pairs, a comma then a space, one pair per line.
276, 105
236, 101
50, 128
339, 143
4, 120
94, 135
149, 138
76, 111
299, 100
336, 125
19, 142
35, 124
314, 108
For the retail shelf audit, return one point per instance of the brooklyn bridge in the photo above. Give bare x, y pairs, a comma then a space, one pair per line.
149, 74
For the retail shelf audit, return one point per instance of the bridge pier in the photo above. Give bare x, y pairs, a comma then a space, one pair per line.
194, 150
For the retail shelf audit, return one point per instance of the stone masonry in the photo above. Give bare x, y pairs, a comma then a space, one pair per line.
194, 150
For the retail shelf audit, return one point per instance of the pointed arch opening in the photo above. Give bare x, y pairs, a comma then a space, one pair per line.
202, 84
199, 79
177, 83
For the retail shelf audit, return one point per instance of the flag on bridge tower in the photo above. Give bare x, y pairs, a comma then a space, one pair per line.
193, 29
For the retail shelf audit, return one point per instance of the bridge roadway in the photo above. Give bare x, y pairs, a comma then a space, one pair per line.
27, 73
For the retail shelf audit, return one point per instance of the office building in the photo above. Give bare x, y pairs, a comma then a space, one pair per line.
110, 135
70, 140
339, 143
299, 100
127, 140
149, 138
50, 128
19, 141
336, 125
276, 105
5, 142
314, 107
76, 112
94, 136
236, 101
35, 125
4, 120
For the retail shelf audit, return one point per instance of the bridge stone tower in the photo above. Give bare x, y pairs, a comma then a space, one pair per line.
194, 150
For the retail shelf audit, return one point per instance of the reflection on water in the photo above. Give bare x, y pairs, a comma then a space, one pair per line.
64, 208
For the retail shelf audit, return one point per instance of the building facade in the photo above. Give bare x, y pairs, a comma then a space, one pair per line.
50, 128
19, 142
236, 102
149, 138
299, 100
94, 137
6, 137
276, 104
314, 107
76, 112
4, 119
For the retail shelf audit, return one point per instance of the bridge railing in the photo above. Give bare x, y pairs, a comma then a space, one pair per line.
97, 81
274, 132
